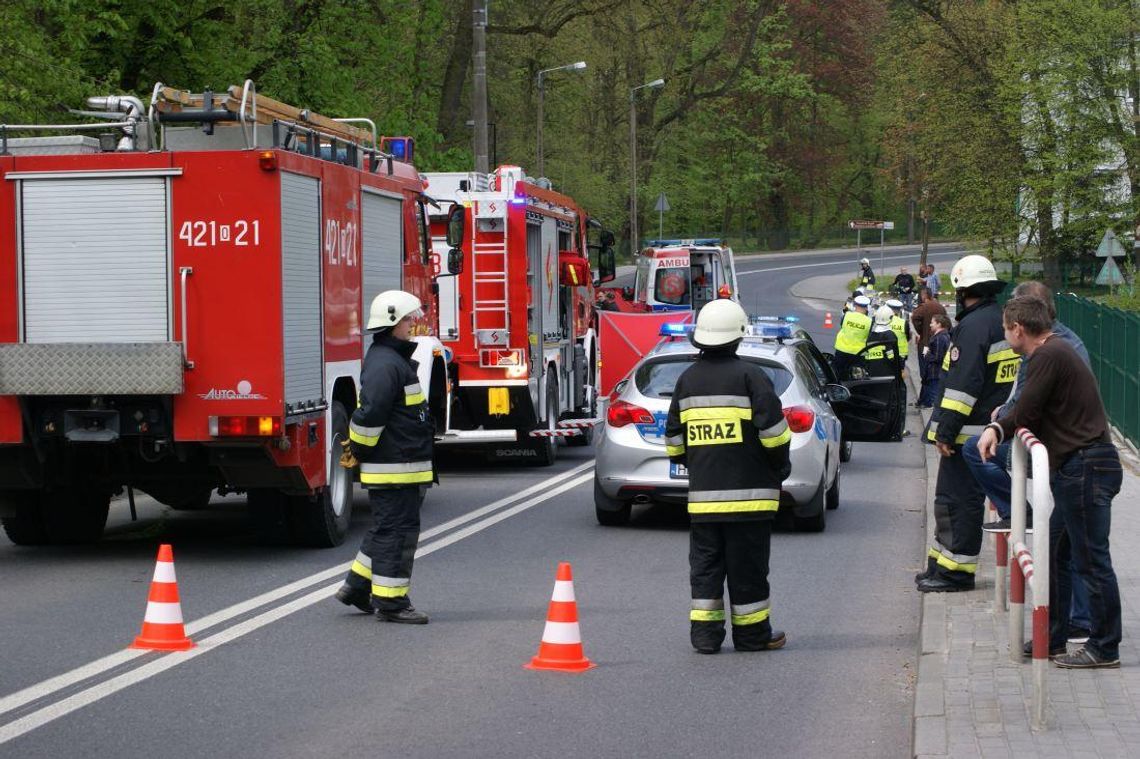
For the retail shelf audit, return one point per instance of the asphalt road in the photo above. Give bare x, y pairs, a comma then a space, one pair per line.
281, 669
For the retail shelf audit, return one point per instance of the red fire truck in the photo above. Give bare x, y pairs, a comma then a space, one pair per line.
525, 353
180, 309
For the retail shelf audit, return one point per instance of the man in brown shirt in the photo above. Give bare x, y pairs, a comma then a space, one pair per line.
1061, 405
920, 317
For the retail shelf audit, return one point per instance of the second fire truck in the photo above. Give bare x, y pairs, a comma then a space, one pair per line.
519, 320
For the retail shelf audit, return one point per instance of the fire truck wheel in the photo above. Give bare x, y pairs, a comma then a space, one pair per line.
321, 520
547, 447
24, 525
66, 516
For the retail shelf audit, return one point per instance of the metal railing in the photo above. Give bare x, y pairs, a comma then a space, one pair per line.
1030, 566
1112, 338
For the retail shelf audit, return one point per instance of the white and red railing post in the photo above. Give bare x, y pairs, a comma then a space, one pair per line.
1030, 567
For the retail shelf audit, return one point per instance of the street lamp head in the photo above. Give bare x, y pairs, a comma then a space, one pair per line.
580, 65
656, 83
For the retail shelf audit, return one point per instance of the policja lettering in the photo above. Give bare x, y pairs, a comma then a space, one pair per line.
727, 426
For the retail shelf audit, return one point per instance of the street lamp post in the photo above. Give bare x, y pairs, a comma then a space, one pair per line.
655, 84
579, 66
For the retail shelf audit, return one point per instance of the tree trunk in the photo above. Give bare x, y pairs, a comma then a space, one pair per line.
449, 120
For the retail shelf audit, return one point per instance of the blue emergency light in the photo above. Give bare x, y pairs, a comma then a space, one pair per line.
401, 148
675, 329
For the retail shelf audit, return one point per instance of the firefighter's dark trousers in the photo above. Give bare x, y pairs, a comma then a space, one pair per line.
959, 503
738, 550
383, 567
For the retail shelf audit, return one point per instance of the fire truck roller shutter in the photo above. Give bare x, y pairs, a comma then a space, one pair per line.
301, 288
96, 260
382, 247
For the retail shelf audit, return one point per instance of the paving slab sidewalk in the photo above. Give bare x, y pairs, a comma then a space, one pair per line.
970, 699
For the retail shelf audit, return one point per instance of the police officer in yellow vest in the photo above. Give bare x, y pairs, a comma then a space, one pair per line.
727, 426
852, 335
900, 327
391, 436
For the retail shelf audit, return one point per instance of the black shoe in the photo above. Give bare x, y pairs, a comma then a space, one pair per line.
1083, 658
408, 616
1054, 652
707, 649
352, 597
778, 640
1001, 525
938, 585
922, 576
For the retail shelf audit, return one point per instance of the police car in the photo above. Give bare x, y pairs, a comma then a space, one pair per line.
631, 466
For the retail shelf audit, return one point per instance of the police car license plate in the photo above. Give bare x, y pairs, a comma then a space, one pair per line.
678, 471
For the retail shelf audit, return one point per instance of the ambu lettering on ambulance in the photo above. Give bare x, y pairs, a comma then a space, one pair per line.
714, 432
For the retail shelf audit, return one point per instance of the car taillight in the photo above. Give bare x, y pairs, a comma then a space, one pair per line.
621, 413
245, 426
799, 418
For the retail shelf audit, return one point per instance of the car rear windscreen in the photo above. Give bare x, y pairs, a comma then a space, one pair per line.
656, 379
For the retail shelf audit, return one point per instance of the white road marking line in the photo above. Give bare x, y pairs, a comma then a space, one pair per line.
92, 669
932, 254
104, 689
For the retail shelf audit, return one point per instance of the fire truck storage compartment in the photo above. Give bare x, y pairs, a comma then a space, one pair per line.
301, 291
382, 247
95, 259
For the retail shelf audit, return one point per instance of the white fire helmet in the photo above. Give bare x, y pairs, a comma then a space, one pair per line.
864, 262
883, 316
720, 322
972, 270
390, 306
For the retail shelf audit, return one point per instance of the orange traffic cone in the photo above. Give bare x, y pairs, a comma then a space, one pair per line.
827, 323
561, 646
162, 628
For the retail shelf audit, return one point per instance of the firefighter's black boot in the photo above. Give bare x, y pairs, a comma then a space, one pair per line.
405, 616
349, 596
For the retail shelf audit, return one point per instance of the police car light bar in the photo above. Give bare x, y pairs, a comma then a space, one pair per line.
790, 319
675, 329
702, 243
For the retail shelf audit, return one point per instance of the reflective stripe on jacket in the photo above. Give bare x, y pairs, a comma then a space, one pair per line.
727, 425
980, 368
391, 426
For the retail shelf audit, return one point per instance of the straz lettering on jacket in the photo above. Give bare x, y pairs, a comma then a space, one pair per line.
716, 432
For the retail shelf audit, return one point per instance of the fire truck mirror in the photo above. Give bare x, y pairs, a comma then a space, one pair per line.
455, 228
607, 239
454, 262
607, 266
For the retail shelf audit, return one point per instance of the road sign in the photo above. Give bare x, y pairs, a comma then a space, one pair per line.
868, 224
1109, 246
662, 204
1110, 273
888, 225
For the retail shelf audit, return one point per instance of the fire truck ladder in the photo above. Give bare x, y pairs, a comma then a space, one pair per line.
490, 315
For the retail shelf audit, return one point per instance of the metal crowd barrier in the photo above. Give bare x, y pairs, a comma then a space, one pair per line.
1031, 566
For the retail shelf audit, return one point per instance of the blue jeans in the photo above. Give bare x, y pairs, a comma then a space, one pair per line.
931, 383
993, 476
1083, 489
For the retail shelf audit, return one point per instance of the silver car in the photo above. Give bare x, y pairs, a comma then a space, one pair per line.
631, 466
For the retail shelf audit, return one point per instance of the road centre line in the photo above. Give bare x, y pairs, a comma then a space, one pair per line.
99, 691
99, 666
932, 254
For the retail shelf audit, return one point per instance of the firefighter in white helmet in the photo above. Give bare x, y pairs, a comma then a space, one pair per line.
727, 426
866, 274
980, 368
391, 436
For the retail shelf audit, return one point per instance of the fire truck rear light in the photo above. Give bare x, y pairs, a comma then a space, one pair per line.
267, 160
245, 426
